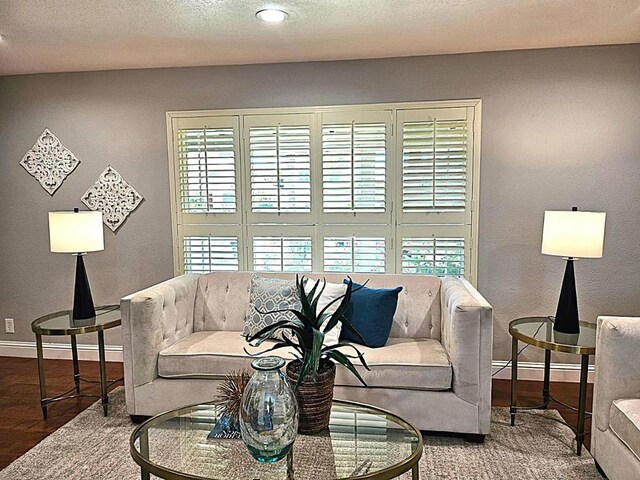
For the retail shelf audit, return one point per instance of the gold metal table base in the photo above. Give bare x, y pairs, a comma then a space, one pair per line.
104, 383
546, 394
62, 323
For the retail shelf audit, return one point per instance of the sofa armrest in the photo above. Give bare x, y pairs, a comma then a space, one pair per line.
617, 365
467, 335
152, 320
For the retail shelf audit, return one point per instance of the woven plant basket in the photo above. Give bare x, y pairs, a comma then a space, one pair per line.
314, 397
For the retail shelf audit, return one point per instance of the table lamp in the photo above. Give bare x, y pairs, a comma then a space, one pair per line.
573, 235
78, 233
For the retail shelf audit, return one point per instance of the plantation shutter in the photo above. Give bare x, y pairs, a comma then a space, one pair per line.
435, 146
279, 150
433, 256
207, 168
205, 192
354, 165
354, 254
282, 254
434, 165
360, 188
206, 253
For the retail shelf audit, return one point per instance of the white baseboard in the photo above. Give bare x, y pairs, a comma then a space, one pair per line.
560, 372
8, 348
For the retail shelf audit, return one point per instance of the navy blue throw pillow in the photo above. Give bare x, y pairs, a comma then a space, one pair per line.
371, 312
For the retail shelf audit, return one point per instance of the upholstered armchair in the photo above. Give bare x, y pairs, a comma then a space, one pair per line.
615, 431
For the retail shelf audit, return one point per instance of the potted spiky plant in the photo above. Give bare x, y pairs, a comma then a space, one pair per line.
314, 369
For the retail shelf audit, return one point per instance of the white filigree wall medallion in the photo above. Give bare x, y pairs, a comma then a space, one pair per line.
49, 161
113, 196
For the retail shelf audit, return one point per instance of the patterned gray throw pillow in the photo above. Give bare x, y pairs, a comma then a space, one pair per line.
267, 295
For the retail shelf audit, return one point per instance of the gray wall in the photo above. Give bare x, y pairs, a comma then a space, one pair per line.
559, 128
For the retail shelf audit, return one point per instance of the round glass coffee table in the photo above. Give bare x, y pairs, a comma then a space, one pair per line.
361, 442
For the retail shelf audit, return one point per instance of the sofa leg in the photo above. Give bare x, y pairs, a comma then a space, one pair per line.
139, 418
600, 471
474, 438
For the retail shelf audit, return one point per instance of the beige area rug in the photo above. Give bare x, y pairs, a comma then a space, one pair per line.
92, 446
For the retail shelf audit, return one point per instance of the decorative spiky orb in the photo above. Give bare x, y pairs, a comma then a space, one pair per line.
230, 393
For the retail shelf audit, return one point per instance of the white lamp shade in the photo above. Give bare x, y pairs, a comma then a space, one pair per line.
573, 234
76, 232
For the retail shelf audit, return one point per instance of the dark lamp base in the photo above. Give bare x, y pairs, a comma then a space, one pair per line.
567, 313
83, 307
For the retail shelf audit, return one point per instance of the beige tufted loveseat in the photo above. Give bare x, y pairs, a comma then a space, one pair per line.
181, 336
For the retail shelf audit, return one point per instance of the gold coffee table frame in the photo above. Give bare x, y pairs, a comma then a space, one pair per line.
141, 455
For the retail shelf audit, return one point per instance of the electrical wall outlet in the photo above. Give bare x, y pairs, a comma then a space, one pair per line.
9, 326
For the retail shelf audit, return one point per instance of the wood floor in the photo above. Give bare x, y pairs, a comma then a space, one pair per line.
22, 425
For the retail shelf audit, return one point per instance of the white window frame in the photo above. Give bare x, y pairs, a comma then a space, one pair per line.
243, 223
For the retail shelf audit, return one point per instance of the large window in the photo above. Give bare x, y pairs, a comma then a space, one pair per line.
364, 188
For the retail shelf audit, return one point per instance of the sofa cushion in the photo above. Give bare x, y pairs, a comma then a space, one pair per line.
370, 312
624, 420
205, 353
418, 363
269, 299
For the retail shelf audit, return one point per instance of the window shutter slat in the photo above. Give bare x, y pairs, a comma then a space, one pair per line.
354, 254
204, 253
280, 158
433, 256
434, 165
282, 254
354, 167
207, 170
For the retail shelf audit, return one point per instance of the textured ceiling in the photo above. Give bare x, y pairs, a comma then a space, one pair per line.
77, 35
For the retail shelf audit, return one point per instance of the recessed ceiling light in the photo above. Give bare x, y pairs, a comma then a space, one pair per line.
2, 38
272, 15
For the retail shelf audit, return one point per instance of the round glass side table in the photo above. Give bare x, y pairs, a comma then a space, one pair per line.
538, 332
62, 323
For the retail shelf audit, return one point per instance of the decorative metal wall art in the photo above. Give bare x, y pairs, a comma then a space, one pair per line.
49, 161
113, 196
